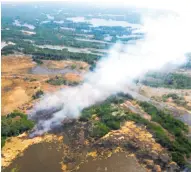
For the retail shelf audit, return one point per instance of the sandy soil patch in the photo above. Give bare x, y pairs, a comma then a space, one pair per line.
13, 100
6, 83
16, 92
51, 88
158, 92
129, 131
18, 86
16, 64
73, 77
135, 108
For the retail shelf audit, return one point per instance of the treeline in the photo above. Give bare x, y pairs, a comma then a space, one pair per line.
168, 80
48, 54
180, 145
14, 124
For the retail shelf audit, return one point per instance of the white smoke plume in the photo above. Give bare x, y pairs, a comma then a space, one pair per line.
166, 40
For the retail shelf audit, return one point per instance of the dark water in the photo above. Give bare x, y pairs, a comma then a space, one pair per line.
45, 157
186, 118
38, 158
118, 162
40, 70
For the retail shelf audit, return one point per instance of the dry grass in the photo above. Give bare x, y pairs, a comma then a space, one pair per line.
18, 86
16, 64
129, 131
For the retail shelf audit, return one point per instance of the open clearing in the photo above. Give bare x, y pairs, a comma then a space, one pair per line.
18, 85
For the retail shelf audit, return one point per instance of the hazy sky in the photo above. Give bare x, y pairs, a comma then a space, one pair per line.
162, 4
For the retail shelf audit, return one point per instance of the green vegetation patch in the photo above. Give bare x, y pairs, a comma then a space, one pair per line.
171, 95
38, 94
14, 124
61, 81
38, 61
180, 148
168, 131
109, 117
170, 80
176, 99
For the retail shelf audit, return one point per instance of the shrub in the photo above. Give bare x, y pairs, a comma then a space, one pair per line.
61, 81
38, 61
73, 66
14, 124
38, 94
114, 125
99, 129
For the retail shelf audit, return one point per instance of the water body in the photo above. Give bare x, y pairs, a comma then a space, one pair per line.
45, 21
28, 32
108, 38
96, 22
112, 15
50, 17
73, 49
118, 162
4, 44
37, 158
93, 40
42, 70
186, 118
28, 40
128, 36
46, 157
29, 26
59, 22
85, 35
67, 28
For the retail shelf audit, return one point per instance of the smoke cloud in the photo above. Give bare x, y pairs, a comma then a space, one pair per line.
166, 40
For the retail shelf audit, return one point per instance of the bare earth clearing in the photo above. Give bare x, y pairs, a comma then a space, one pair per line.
18, 85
